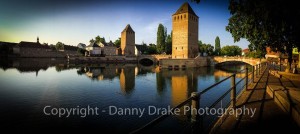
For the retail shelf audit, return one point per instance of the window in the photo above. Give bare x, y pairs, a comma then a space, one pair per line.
184, 16
182, 48
176, 48
181, 17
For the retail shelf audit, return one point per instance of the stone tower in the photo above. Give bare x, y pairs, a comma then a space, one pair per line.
185, 33
128, 41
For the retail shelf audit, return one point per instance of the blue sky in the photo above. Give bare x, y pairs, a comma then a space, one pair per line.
78, 21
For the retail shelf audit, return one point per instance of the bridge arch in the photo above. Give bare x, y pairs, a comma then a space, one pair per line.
231, 63
146, 61
154, 58
250, 61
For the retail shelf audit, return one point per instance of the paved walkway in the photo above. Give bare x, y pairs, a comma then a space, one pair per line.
269, 117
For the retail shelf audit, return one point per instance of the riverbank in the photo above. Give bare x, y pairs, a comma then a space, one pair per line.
271, 114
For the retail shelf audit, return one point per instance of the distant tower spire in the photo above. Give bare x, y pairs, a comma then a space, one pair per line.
38, 40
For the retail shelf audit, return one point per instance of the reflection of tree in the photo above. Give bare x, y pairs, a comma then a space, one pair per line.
217, 78
59, 68
81, 71
160, 83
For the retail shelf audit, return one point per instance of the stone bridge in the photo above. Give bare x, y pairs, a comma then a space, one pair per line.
250, 61
153, 58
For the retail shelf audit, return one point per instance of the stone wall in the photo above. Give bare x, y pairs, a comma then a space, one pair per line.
43, 53
40, 53
183, 63
110, 50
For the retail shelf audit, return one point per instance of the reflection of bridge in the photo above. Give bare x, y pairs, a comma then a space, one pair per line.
250, 61
153, 58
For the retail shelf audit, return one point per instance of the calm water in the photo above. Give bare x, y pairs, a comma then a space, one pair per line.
27, 86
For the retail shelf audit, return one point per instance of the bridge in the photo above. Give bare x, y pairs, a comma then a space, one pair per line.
150, 59
153, 58
250, 61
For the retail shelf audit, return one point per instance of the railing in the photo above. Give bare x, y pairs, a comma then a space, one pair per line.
196, 96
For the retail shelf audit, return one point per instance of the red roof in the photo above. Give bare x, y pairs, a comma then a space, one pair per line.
246, 50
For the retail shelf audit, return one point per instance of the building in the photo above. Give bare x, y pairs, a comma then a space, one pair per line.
81, 45
271, 54
185, 33
109, 48
128, 41
141, 48
245, 51
137, 51
6, 48
33, 49
93, 49
71, 50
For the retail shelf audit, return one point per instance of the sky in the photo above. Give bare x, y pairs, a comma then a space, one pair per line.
77, 21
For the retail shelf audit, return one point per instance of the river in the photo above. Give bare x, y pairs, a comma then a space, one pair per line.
33, 91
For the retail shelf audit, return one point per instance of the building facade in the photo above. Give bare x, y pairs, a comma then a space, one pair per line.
185, 33
93, 49
35, 50
110, 49
128, 41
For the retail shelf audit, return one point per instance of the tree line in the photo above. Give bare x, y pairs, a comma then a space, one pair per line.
273, 23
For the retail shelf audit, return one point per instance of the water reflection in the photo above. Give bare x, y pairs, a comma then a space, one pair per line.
126, 74
127, 79
69, 85
182, 82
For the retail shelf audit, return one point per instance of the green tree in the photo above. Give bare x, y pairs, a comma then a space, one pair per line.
266, 23
118, 42
59, 46
169, 44
217, 46
231, 50
151, 49
161, 38
205, 48
255, 54
251, 47
209, 49
92, 41
201, 47
144, 48
99, 40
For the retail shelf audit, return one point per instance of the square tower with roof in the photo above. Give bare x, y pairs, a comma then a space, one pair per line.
185, 33
128, 41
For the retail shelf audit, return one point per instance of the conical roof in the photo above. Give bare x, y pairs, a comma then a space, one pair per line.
185, 8
128, 29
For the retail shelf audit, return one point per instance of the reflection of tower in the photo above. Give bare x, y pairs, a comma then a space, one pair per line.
179, 89
127, 79
185, 33
128, 41
183, 86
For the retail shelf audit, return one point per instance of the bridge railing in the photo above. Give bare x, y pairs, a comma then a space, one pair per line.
195, 98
